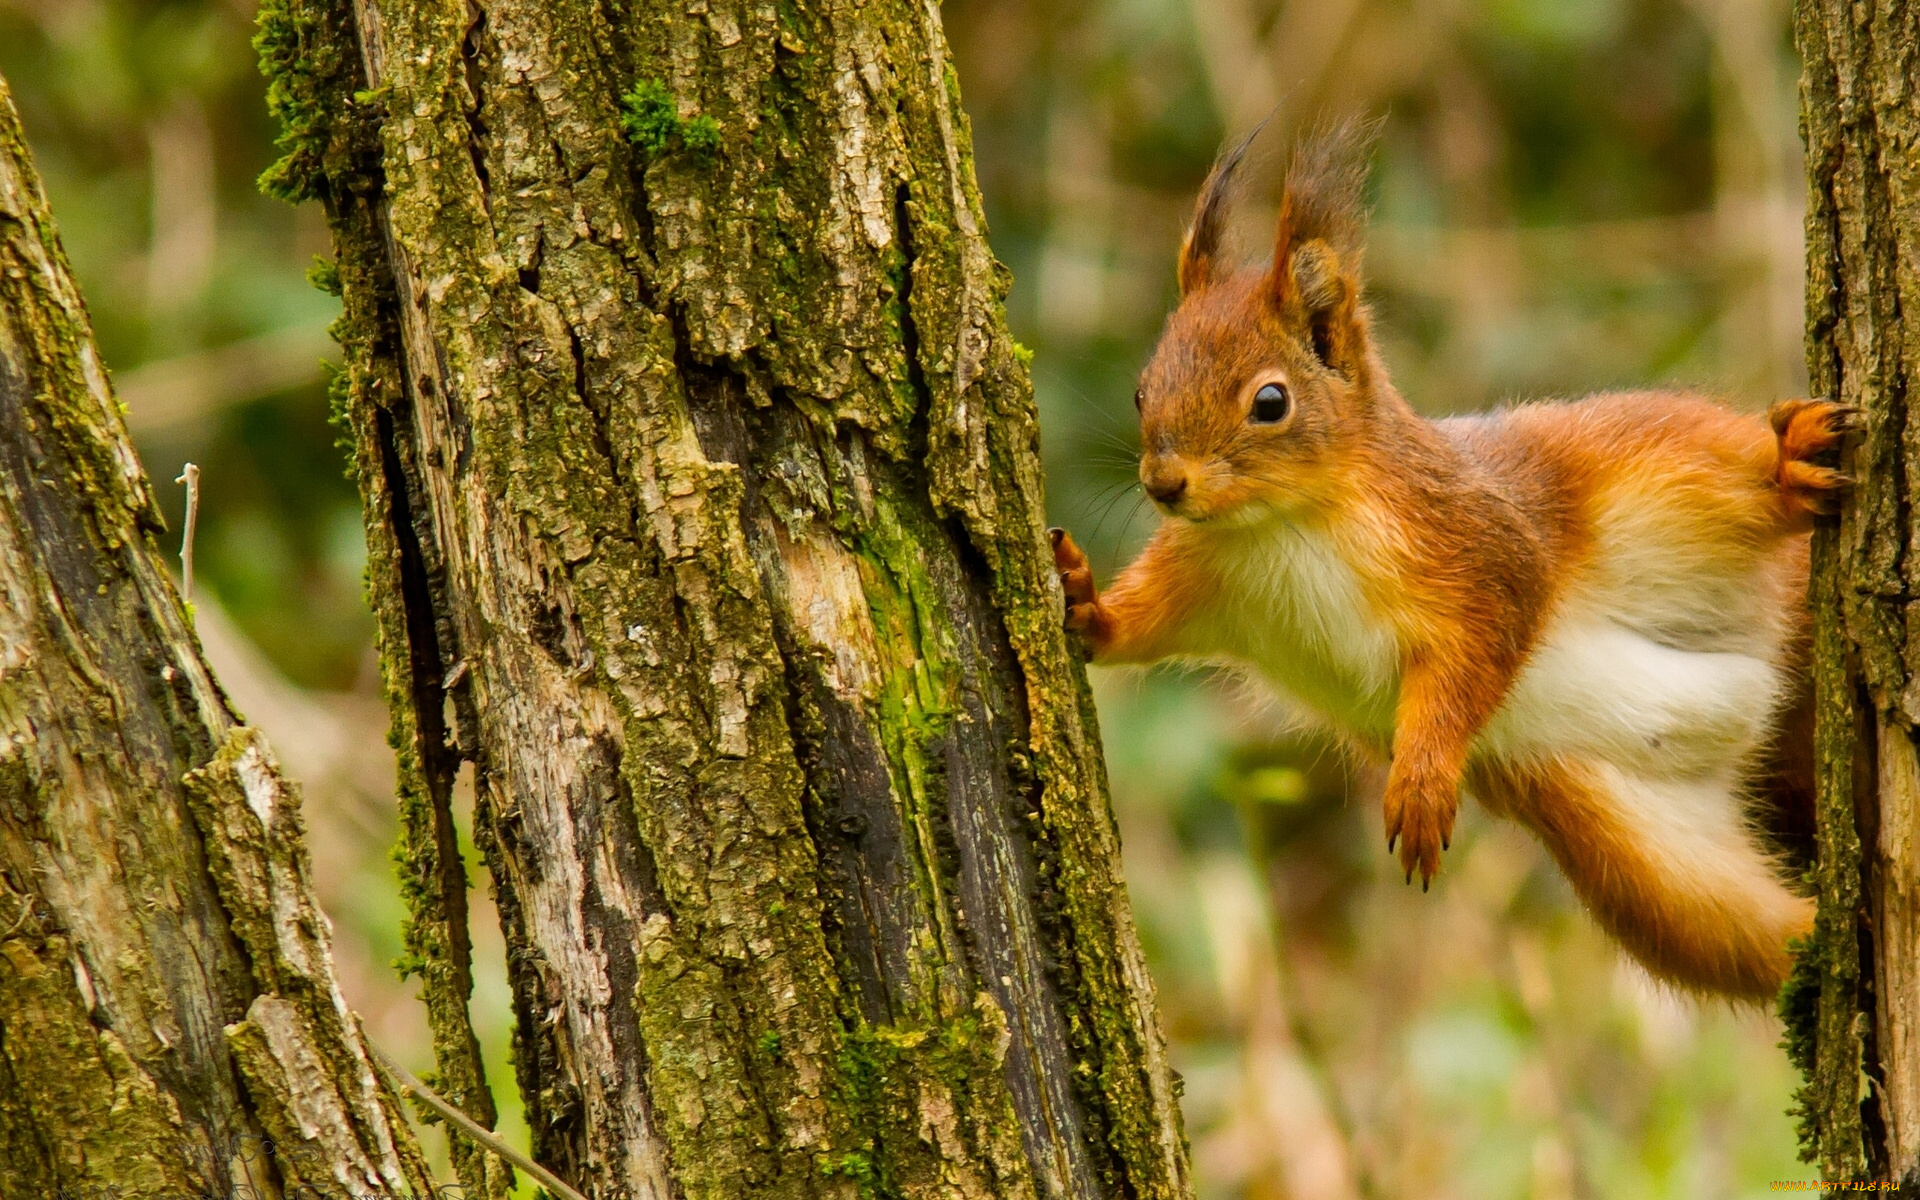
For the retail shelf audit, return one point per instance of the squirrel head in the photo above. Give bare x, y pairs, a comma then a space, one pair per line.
1264, 378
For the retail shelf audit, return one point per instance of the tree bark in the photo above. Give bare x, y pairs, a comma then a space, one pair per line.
1853, 1007
705, 521
169, 1020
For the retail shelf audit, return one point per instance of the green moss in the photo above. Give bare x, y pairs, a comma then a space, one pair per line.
654, 125
1799, 1009
885, 1072
1821, 1003
75, 1085
324, 274
917, 698
340, 417
853, 1165
302, 57
333, 153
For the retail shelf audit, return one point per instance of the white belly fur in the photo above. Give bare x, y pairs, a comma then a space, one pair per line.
1294, 610
1595, 689
1596, 686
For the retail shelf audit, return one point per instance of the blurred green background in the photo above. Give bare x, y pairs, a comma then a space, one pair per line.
1569, 195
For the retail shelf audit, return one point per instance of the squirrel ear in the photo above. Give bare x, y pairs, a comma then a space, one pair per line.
1315, 277
1315, 289
1201, 249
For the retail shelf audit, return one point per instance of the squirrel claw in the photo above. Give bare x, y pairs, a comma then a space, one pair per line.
1076, 574
1806, 430
1421, 827
1066, 552
1076, 584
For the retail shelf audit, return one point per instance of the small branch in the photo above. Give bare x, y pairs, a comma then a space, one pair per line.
189, 475
399, 1077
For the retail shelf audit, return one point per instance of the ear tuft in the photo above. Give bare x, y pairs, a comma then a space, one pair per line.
1200, 252
1326, 182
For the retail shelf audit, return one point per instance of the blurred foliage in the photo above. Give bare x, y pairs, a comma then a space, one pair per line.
149, 125
1569, 195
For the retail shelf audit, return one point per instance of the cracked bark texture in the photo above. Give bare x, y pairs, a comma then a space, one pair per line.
705, 521
169, 1019
1853, 1007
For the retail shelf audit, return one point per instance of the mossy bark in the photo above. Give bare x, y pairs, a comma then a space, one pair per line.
169, 1020
1853, 1007
702, 490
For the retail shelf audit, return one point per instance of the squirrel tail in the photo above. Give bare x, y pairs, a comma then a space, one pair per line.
1669, 869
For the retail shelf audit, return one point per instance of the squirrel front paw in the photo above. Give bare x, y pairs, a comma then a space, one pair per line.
1420, 820
1805, 430
1076, 581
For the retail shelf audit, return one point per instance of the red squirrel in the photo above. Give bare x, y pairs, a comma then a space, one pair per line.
1591, 614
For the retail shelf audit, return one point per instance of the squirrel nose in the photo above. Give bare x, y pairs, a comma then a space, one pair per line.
1167, 487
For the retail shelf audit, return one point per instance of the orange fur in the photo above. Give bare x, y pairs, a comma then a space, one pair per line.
1707, 938
1420, 565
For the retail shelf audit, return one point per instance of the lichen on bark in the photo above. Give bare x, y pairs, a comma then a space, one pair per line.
720, 468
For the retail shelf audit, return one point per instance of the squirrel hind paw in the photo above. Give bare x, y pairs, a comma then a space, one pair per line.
1805, 430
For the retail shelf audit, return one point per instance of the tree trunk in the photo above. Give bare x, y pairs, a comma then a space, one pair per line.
169, 1021
705, 521
1853, 1008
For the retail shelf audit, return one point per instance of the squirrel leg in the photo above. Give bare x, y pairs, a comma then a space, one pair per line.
1443, 704
1668, 867
1138, 618
1804, 430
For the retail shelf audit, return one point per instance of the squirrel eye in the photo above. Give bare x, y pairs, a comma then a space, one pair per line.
1270, 405
1139, 397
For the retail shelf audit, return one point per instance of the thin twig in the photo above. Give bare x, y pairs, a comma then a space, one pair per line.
399, 1077
189, 475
